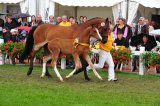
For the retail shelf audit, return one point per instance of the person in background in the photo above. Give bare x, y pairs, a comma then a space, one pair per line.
65, 21
124, 28
141, 27
150, 28
33, 21
84, 18
51, 20
1, 25
81, 19
39, 20
74, 22
11, 23
59, 20
148, 47
154, 24
71, 19
6, 34
14, 34
24, 21
121, 41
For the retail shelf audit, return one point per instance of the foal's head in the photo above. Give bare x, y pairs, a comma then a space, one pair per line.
105, 29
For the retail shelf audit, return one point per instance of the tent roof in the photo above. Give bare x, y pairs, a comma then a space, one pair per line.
10, 1
149, 3
86, 3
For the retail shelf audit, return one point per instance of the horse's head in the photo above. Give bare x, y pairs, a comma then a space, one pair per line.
95, 33
105, 29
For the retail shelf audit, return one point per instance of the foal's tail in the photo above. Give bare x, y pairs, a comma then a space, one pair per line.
29, 44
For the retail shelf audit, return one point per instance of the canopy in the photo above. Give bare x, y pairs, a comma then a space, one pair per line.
149, 3
10, 1
86, 3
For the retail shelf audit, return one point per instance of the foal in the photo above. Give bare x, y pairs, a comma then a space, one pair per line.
77, 46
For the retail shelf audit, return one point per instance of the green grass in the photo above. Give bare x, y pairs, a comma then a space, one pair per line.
17, 89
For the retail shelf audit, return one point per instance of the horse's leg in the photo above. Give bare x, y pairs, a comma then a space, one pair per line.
84, 66
45, 71
88, 59
47, 53
31, 62
77, 65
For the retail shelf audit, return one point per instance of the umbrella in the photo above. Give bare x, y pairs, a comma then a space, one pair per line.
20, 15
3, 13
155, 32
138, 40
26, 28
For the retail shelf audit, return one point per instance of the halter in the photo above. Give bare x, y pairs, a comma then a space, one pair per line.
76, 43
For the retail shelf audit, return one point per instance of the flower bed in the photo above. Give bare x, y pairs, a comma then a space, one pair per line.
121, 54
150, 59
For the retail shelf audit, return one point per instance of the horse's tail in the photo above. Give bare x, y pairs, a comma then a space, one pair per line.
29, 44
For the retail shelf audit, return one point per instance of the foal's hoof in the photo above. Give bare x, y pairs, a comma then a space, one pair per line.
42, 76
101, 79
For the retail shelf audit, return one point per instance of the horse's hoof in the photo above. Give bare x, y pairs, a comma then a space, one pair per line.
29, 73
88, 79
67, 77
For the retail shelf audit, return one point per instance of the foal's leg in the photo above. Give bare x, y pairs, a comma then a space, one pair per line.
84, 66
77, 65
55, 53
88, 59
45, 70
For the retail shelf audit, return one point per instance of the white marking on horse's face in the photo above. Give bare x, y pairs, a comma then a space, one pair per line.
98, 33
102, 24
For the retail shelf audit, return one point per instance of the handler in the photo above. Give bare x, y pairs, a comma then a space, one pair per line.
105, 55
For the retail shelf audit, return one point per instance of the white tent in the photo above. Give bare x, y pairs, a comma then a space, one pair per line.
149, 3
10, 1
86, 3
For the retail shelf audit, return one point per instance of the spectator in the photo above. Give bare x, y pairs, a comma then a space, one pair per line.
85, 19
33, 21
141, 27
74, 22
71, 18
59, 20
24, 22
1, 25
39, 20
124, 28
11, 23
51, 20
65, 21
81, 19
148, 47
6, 34
14, 34
154, 25
150, 28
121, 41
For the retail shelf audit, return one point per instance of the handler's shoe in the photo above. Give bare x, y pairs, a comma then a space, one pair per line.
115, 79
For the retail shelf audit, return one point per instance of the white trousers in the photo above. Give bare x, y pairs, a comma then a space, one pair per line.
105, 56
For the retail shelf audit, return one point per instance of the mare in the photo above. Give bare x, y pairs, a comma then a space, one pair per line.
76, 46
41, 35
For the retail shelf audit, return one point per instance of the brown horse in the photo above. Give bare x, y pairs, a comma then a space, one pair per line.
77, 46
40, 36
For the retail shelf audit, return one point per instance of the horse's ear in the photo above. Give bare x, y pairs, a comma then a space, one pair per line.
107, 19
